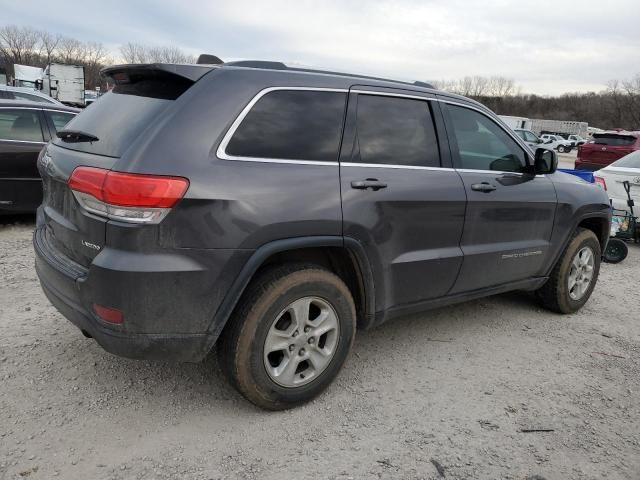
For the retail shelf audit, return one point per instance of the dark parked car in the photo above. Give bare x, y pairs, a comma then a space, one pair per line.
272, 210
24, 129
605, 148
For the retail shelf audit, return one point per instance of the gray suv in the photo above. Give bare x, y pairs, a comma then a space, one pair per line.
271, 211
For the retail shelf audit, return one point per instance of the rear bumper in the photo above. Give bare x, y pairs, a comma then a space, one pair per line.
186, 348
168, 310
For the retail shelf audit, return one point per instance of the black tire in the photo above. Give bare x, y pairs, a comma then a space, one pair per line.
554, 294
616, 251
242, 343
561, 149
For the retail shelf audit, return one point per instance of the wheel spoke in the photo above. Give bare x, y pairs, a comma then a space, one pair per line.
319, 358
300, 311
287, 372
275, 343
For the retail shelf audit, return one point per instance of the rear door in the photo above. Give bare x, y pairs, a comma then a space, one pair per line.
401, 199
510, 213
21, 139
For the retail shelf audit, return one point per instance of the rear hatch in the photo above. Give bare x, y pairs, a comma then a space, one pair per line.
99, 137
607, 148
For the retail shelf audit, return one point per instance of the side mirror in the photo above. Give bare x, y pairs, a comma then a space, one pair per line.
539, 140
38, 84
546, 161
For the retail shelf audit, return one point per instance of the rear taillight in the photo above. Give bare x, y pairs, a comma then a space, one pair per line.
129, 197
601, 181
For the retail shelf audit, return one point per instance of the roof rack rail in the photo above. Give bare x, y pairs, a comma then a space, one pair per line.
259, 64
419, 83
270, 65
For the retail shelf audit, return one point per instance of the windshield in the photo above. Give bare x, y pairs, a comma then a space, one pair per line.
613, 139
628, 161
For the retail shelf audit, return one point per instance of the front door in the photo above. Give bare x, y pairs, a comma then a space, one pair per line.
510, 212
401, 199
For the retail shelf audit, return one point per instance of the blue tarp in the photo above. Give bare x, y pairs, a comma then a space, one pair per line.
585, 175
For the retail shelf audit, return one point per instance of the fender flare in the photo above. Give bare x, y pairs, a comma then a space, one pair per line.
259, 256
599, 214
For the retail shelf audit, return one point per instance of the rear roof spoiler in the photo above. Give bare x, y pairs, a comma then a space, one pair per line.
187, 71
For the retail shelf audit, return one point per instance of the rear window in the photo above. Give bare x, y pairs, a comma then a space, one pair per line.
629, 161
117, 120
613, 139
291, 125
121, 116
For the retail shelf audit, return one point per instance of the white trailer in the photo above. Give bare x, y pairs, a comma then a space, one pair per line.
540, 126
516, 122
26, 76
65, 83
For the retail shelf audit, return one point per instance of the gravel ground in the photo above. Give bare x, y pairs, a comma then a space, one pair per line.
447, 393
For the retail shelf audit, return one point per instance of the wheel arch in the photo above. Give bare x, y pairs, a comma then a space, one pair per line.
599, 226
343, 256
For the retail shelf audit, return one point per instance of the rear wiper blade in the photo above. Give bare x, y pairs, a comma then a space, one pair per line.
76, 136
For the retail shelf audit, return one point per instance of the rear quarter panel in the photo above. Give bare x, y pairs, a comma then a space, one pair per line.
233, 204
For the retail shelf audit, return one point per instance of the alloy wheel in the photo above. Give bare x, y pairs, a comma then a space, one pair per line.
301, 342
581, 273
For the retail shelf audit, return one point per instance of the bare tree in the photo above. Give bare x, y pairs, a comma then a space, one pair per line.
49, 45
133, 53
18, 45
72, 51
136, 53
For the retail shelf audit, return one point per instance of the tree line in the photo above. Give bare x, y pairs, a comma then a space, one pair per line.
616, 106
38, 48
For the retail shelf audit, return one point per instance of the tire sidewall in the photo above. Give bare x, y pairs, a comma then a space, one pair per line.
250, 357
584, 239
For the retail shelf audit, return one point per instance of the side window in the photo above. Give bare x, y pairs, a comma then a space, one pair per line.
530, 137
292, 124
59, 119
20, 124
396, 131
7, 95
482, 144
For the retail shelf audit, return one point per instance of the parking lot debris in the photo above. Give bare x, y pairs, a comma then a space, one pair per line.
608, 354
487, 425
438, 466
536, 430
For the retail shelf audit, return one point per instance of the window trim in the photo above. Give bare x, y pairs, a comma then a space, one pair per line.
37, 112
221, 152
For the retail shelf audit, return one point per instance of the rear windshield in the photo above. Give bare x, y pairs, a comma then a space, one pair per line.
122, 115
613, 139
628, 161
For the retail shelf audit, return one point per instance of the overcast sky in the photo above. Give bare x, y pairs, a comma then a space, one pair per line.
547, 47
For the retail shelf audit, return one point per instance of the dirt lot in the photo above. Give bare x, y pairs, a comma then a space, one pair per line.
456, 388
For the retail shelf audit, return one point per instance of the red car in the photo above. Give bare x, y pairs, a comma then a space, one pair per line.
605, 148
